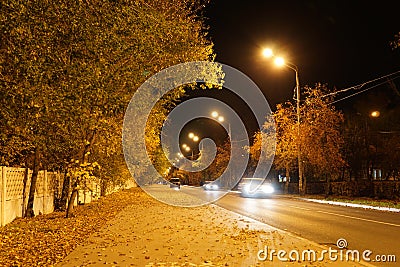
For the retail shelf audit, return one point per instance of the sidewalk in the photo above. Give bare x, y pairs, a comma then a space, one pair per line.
150, 233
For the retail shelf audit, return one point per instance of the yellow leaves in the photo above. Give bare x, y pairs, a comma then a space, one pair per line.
83, 174
45, 240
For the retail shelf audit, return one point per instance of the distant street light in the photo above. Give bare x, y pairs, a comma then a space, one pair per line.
194, 137
375, 114
219, 118
215, 115
279, 61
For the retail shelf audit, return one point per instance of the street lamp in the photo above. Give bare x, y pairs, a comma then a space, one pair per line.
216, 116
220, 118
186, 147
194, 137
279, 61
375, 113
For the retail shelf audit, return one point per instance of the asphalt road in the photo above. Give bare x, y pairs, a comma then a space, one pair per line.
363, 229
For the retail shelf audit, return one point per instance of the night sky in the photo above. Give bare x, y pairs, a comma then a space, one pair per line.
338, 43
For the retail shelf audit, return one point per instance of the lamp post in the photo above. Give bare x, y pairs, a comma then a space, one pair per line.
279, 61
221, 119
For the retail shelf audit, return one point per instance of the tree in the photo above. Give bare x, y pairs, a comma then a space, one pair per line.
68, 71
395, 43
320, 136
285, 135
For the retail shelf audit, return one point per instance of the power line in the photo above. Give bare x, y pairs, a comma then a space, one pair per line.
369, 88
358, 87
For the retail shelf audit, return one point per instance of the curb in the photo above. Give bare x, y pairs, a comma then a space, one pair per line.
346, 204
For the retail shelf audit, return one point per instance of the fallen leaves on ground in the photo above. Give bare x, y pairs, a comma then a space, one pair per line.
46, 239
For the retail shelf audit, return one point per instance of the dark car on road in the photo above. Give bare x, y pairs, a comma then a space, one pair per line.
175, 182
255, 187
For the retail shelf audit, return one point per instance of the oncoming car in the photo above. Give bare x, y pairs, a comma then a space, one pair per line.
175, 182
210, 185
255, 187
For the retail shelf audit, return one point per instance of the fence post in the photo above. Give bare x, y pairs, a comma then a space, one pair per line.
3, 196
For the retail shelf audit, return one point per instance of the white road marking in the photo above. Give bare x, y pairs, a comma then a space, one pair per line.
357, 218
345, 216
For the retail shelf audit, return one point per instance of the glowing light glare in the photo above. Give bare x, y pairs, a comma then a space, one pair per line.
279, 61
267, 52
215, 115
187, 148
375, 113
195, 138
184, 146
191, 135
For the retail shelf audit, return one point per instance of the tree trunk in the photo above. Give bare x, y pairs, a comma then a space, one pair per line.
304, 188
29, 209
74, 193
71, 201
24, 192
62, 203
103, 187
328, 186
287, 181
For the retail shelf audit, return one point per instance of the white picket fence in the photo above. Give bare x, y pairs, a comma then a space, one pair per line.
14, 199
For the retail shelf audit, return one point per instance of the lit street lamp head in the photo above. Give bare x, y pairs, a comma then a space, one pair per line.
279, 61
267, 52
375, 114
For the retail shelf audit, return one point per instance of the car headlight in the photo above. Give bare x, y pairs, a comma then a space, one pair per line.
268, 189
246, 188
